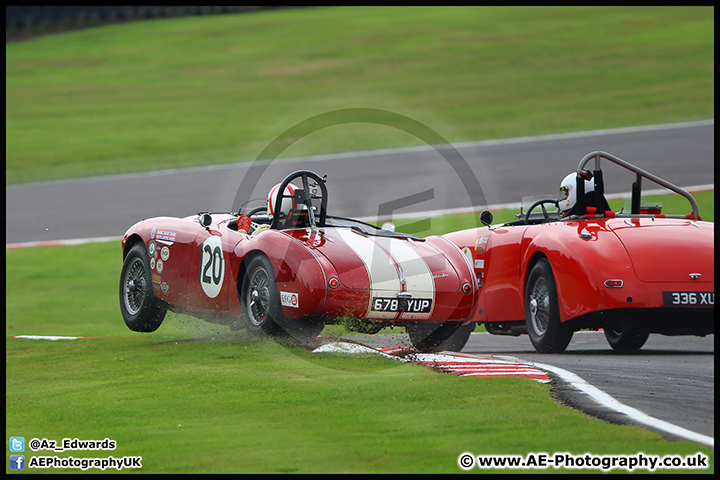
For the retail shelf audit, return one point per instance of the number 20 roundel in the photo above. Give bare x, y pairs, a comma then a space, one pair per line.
212, 266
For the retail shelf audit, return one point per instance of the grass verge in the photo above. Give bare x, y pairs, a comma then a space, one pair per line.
235, 406
207, 90
195, 398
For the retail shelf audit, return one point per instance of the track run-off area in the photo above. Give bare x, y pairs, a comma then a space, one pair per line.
590, 377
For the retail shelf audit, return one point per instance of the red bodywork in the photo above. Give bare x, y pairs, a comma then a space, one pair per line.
637, 270
334, 272
648, 255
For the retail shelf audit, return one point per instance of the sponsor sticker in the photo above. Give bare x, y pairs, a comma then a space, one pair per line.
288, 299
165, 237
164, 253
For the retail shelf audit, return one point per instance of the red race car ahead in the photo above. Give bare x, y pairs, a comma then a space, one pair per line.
287, 268
631, 273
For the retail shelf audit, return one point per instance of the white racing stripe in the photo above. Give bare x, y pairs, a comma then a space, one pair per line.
417, 273
381, 270
418, 277
385, 260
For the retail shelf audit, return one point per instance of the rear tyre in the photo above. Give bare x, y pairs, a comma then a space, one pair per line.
626, 339
434, 337
542, 315
457, 340
260, 301
141, 310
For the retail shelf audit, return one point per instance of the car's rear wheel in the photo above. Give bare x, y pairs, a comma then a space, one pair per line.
542, 315
141, 310
260, 301
435, 337
627, 338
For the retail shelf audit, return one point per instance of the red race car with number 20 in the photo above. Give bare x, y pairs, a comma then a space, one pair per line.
285, 267
633, 272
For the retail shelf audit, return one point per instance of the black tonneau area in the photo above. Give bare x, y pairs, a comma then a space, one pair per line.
367, 229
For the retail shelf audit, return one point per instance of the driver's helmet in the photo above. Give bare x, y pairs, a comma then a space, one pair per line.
568, 193
287, 203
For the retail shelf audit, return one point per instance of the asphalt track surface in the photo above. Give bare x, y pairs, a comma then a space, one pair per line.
671, 378
407, 180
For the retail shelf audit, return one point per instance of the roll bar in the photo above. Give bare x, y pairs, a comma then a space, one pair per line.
637, 185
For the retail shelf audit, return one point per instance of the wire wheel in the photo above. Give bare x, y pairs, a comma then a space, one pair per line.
134, 286
140, 308
258, 297
542, 315
260, 302
539, 306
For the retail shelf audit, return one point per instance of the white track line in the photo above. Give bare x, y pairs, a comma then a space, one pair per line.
59, 337
606, 400
45, 337
58, 243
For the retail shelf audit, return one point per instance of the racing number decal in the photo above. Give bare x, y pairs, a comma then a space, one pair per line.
212, 266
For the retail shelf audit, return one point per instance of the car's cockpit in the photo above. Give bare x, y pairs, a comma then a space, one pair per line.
291, 206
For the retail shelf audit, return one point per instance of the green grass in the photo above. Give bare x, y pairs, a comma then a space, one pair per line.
195, 398
224, 406
205, 90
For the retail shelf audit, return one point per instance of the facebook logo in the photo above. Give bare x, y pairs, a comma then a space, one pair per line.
17, 462
17, 444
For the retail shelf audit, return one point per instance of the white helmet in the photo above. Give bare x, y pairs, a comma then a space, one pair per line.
568, 193
287, 203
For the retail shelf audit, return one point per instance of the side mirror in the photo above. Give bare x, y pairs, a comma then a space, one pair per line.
205, 219
486, 217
